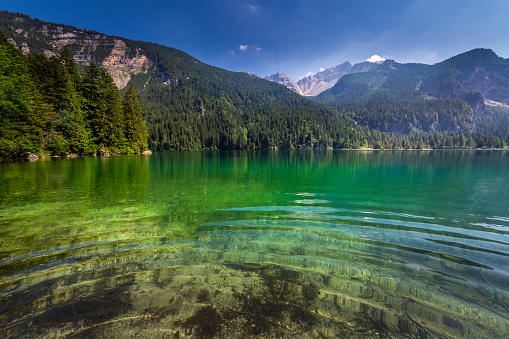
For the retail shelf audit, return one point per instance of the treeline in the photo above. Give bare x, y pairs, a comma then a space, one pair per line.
48, 108
211, 108
407, 112
414, 122
184, 117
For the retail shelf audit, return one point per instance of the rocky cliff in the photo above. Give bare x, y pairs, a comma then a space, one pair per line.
112, 53
285, 80
315, 84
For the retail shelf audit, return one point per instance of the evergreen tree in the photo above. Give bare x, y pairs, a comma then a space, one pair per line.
102, 103
58, 81
21, 109
134, 126
46, 107
111, 134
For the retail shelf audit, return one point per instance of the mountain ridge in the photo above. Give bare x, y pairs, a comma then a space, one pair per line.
478, 70
467, 91
317, 83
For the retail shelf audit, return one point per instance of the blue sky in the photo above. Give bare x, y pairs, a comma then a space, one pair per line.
297, 37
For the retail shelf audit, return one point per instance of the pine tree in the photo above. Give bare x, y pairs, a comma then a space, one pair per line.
75, 127
103, 109
111, 133
21, 109
134, 127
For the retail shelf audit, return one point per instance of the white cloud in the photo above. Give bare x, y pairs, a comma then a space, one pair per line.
322, 69
251, 7
375, 58
244, 48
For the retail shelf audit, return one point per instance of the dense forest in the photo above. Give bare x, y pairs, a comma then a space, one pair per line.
204, 107
416, 98
177, 120
48, 108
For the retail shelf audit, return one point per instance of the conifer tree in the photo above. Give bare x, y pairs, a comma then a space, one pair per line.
103, 107
21, 113
134, 126
74, 126
111, 133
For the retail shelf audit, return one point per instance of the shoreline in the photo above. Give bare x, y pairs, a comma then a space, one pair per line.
32, 157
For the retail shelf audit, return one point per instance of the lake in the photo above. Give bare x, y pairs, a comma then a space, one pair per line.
329, 244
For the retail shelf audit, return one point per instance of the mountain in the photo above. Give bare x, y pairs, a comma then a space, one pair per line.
455, 94
286, 81
479, 70
368, 77
187, 104
120, 57
313, 85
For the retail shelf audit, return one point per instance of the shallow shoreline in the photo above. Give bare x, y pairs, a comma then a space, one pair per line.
257, 150
74, 156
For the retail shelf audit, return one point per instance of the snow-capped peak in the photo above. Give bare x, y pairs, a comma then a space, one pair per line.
375, 59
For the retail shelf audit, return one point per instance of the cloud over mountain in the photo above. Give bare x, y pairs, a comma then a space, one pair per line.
375, 58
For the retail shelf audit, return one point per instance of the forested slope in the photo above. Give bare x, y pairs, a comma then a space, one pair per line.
445, 97
48, 108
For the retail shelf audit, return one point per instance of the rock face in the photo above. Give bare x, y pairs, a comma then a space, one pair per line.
365, 66
285, 80
120, 66
313, 85
112, 53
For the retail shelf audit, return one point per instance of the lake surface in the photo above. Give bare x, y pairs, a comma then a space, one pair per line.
336, 244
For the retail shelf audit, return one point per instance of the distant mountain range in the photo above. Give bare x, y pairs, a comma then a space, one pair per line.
313, 85
467, 91
401, 98
479, 70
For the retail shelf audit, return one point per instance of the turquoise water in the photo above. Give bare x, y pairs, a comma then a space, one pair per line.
263, 244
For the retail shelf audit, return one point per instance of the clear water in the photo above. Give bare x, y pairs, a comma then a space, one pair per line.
352, 244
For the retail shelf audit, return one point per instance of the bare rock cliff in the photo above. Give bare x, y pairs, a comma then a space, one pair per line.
284, 80
111, 53
120, 66
315, 84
